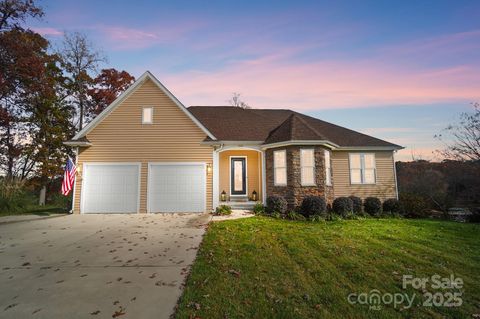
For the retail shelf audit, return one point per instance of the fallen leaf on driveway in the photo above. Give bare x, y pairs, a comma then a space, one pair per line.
36, 310
119, 312
10, 306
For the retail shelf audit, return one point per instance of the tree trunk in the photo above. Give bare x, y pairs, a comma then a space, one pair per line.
80, 125
43, 195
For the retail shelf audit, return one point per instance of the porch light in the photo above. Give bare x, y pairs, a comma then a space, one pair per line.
223, 196
254, 196
209, 168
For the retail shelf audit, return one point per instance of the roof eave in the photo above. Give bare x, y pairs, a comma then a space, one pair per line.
301, 142
231, 142
78, 143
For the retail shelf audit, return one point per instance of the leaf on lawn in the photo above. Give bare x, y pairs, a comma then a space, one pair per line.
194, 305
234, 272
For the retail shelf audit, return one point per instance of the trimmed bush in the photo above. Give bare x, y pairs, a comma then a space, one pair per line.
475, 216
276, 204
223, 210
342, 206
372, 206
313, 205
357, 205
414, 206
392, 207
259, 209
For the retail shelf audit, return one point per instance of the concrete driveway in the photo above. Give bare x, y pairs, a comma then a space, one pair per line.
97, 266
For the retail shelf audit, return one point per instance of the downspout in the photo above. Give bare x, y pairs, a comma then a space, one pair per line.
395, 174
216, 177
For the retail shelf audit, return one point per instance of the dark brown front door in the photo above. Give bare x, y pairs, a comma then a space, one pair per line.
238, 176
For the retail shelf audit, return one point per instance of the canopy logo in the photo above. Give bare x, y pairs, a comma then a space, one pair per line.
446, 293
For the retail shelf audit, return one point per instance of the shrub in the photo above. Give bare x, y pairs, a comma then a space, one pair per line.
414, 206
293, 215
475, 216
316, 218
276, 204
342, 206
13, 197
392, 206
259, 209
313, 205
372, 206
223, 210
357, 205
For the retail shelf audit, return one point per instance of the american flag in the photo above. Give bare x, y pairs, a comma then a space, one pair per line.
68, 177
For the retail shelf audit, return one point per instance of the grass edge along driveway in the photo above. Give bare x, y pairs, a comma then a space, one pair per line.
269, 268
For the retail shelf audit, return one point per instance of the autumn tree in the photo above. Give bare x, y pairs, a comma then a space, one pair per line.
13, 13
81, 61
462, 140
107, 86
22, 58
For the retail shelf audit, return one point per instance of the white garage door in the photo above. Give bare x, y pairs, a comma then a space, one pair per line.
110, 188
176, 187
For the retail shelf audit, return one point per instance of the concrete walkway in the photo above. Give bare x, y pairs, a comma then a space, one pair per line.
236, 214
97, 266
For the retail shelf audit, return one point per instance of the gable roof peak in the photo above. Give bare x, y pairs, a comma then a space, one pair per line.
146, 75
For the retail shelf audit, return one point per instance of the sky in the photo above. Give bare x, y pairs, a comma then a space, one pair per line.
397, 70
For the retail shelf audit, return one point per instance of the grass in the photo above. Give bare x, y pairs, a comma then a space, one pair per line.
36, 210
269, 268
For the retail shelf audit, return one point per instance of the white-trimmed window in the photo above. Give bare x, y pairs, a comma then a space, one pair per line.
307, 167
280, 168
328, 168
362, 168
147, 115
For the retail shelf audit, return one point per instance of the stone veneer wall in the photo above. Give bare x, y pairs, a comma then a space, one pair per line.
294, 192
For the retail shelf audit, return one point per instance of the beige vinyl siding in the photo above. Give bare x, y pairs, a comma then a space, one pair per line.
121, 137
385, 176
253, 171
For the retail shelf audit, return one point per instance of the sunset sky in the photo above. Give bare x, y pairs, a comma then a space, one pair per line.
398, 70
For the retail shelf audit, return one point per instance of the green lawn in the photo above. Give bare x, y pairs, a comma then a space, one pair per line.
269, 268
37, 210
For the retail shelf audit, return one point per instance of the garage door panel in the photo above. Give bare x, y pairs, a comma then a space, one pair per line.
111, 188
177, 188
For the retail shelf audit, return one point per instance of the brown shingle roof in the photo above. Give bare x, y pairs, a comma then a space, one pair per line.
230, 123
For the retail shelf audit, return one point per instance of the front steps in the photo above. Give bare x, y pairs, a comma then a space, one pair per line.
240, 204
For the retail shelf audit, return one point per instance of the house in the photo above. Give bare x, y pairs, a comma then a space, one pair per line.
147, 153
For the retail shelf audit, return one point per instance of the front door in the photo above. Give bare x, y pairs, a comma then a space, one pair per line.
238, 176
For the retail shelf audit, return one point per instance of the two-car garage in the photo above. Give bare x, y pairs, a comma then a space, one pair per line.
170, 187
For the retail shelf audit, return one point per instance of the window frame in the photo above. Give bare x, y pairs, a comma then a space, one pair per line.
312, 167
143, 115
284, 151
362, 168
328, 170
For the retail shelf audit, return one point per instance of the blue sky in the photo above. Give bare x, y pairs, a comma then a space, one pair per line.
398, 70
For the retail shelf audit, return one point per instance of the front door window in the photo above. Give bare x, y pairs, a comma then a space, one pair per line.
238, 176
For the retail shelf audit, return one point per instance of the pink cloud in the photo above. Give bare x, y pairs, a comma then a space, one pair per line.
127, 38
273, 82
46, 31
